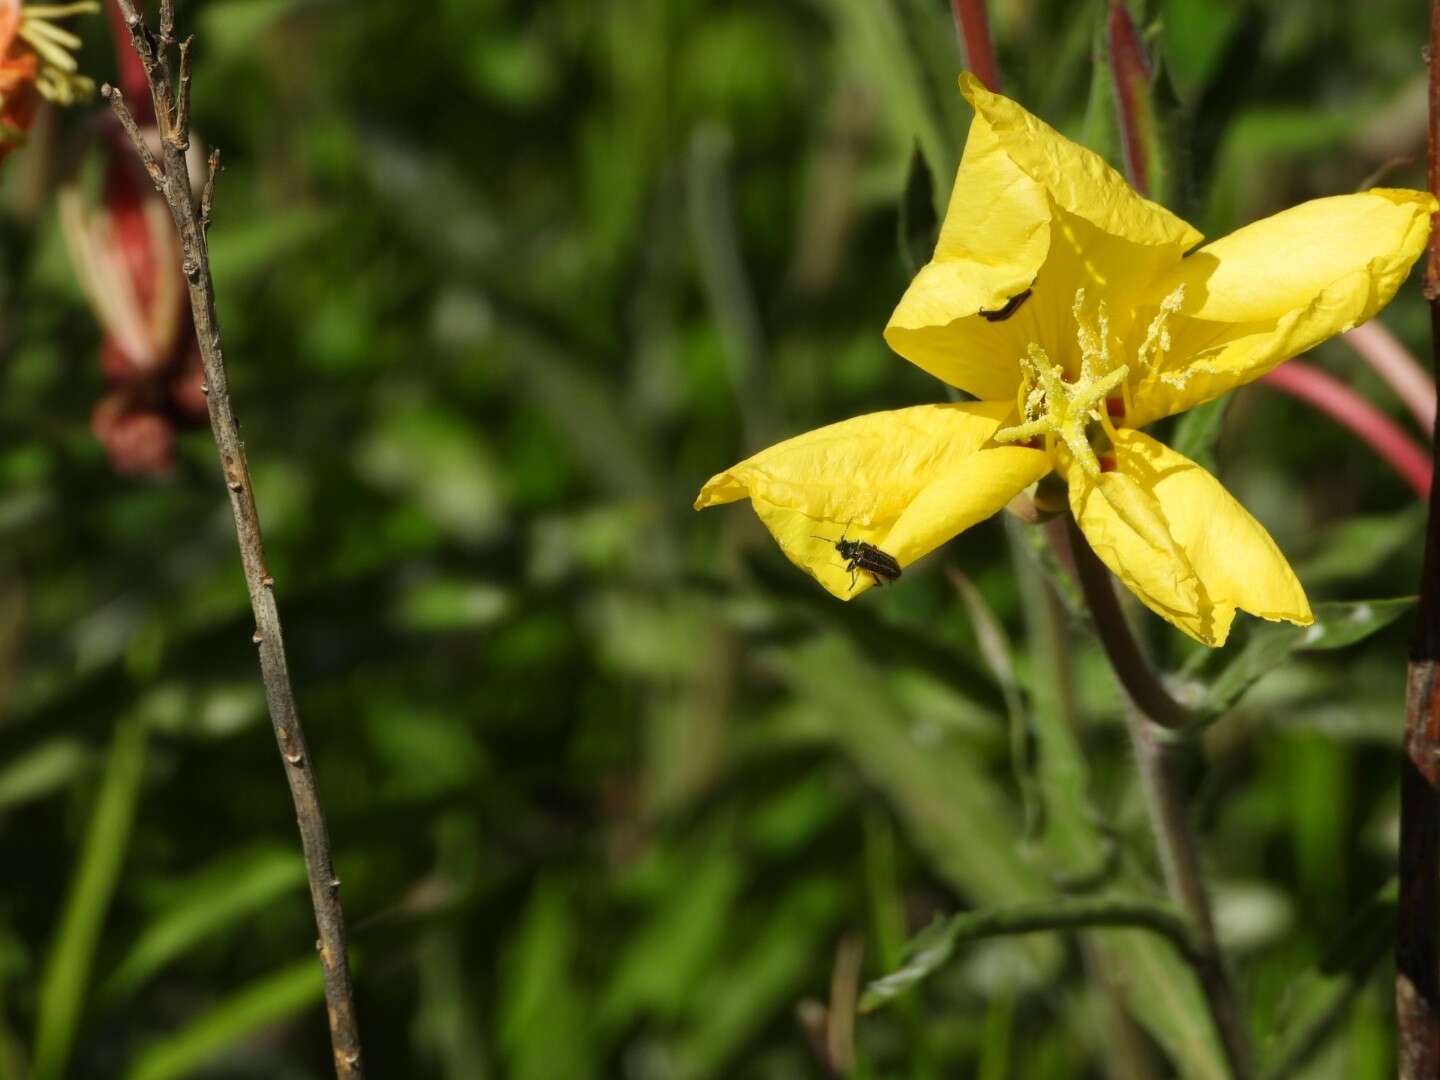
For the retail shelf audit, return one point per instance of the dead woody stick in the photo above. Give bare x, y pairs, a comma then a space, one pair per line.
171, 177
1417, 946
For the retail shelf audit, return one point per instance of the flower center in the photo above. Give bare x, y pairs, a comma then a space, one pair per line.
58, 79
1056, 409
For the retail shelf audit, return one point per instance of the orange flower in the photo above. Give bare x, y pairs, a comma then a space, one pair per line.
36, 60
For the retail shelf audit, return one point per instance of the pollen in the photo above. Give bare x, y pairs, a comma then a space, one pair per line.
59, 78
1054, 409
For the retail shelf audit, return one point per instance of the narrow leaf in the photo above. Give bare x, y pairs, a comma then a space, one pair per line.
65, 983
259, 1004
1336, 626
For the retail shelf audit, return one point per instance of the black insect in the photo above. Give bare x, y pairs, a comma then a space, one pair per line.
859, 555
1011, 306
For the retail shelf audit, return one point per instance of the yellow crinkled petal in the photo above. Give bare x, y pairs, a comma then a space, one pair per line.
992, 244
1227, 561
1030, 210
1079, 180
905, 481
1278, 287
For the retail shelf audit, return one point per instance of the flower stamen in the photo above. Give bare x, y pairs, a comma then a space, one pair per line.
54, 46
1054, 408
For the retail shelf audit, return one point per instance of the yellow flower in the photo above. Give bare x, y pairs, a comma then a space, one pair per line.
1068, 305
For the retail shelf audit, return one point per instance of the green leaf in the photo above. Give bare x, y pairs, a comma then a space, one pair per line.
875, 42
1194, 34
1336, 626
257, 1005
40, 771
65, 982
938, 785
1073, 846
765, 974
1160, 989
916, 224
1357, 547
1317, 1000
212, 901
998, 655
1197, 430
540, 992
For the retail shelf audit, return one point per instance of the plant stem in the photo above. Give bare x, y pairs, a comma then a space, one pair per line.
1342, 404
1131, 667
1131, 73
1179, 853
1417, 943
1185, 883
1392, 361
941, 939
171, 176
972, 26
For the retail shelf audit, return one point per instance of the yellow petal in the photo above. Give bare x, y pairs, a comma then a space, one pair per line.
905, 481
993, 241
1029, 210
1223, 559
1278, 287
1078, 180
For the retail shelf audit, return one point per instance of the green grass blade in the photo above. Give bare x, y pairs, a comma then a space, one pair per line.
218, 896
264, 1001
64, 986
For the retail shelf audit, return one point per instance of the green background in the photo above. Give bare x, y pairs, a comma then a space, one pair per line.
613, 788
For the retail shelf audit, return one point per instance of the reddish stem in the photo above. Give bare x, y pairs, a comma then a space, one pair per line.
1342, 404
1412, 384
972, 26
1131, 72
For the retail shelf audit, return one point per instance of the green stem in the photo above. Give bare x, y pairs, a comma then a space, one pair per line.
1179, 853
1061, 913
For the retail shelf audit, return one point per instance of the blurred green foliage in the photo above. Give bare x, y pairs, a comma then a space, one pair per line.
609, 782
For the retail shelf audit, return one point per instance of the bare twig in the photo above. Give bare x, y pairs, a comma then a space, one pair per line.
172, 179
1417, 942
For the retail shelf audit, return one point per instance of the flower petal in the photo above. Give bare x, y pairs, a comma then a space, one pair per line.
905, 481
1078, 180
1226, 560
991, 246
1030, 210
1278, 287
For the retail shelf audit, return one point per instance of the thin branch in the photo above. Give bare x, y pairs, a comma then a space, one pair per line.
1417, 942
173, 179
207, 194
132, 129
180, 132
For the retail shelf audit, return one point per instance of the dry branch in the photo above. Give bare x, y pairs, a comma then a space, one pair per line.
171, 176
